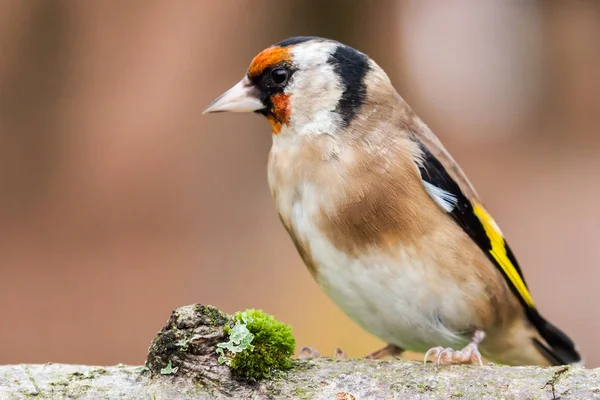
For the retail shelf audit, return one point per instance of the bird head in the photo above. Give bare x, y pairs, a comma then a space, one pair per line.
305, 85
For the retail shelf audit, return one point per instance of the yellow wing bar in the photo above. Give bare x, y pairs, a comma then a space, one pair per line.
498, 251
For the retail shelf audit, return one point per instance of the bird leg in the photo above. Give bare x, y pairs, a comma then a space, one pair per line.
389, 350
470, 354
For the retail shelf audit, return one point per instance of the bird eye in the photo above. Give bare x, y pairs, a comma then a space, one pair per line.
279, 76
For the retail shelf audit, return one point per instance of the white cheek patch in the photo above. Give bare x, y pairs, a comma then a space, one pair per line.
314, 97
315, 91
446, 200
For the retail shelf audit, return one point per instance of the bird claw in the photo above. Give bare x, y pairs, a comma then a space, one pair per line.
309, 353
435, 351
469, 355
339, 354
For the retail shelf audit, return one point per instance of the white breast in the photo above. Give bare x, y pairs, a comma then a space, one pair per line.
394, 296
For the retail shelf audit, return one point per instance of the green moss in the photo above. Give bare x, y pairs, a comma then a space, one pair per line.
258, 345
213, 316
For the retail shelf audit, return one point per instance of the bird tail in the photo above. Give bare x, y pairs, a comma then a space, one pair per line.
556, 346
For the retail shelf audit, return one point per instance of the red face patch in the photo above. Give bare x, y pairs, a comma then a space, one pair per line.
280, 112
267, 58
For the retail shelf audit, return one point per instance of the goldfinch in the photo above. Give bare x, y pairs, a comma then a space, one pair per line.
383, 217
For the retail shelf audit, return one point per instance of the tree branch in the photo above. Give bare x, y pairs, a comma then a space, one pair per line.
187, 345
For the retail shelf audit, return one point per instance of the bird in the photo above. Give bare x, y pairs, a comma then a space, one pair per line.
383, 217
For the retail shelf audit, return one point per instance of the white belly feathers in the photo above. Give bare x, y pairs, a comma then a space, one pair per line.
395, 297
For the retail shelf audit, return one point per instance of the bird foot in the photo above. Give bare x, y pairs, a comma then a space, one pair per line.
309, 353
469, 355
339, 354
389, 350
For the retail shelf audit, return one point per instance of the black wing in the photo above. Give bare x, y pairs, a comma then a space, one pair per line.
480, 226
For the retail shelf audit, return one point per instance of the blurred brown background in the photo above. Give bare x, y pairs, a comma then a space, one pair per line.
120, 202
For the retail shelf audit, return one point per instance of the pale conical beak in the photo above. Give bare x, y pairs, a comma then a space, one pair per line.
243, 97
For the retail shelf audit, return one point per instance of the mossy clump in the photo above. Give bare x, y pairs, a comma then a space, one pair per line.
258, 344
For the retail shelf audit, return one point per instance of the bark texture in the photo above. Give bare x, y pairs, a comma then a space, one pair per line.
316, 379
